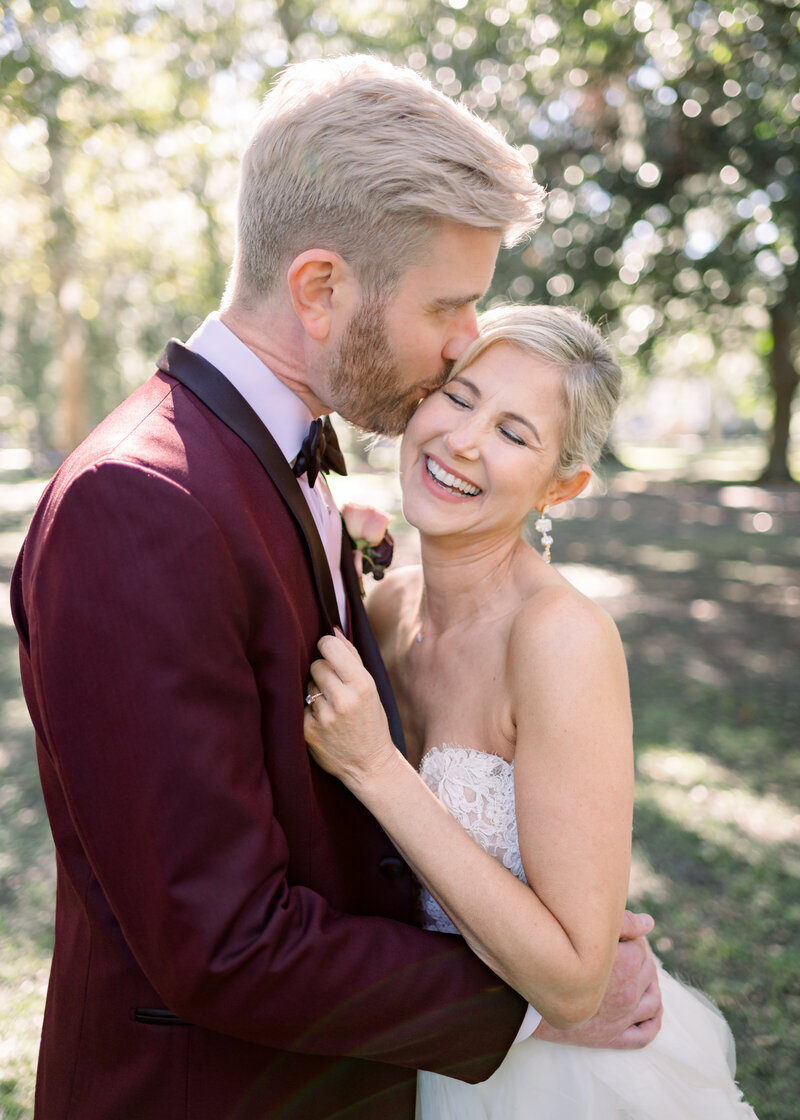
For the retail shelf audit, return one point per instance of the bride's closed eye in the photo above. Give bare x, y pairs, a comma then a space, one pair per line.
511, 436
508, 433
456, 399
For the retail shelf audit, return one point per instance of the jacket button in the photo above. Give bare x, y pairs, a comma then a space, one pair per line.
391, 867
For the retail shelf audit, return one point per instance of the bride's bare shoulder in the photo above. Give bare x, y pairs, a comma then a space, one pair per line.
393, 598
555, 619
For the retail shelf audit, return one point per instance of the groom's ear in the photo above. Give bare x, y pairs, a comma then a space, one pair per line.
323, 291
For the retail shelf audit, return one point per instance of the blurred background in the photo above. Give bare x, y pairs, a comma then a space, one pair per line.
667, 133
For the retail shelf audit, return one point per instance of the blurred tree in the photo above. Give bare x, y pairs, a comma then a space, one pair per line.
667, 135
708, 160
120, 236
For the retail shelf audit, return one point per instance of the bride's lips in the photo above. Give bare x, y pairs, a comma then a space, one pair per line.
447, 484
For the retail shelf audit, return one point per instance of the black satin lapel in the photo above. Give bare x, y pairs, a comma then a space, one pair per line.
364, 640
226, 402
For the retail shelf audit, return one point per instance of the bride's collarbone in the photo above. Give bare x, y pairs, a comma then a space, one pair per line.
457, 671
453, 665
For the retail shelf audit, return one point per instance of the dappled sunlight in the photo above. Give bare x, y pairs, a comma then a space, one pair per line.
703, 671
748, 497
665, 559
23, 987
750, 573
711, 800
5, 605
598, 583
730, 460
645, 881
21, 497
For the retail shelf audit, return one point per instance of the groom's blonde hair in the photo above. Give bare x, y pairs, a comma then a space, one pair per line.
362, 157
591, 377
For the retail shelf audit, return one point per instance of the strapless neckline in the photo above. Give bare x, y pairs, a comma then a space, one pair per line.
459, 747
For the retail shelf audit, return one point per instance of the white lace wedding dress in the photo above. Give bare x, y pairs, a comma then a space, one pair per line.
685, 1074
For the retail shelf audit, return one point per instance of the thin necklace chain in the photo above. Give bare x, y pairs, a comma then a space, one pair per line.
423, 613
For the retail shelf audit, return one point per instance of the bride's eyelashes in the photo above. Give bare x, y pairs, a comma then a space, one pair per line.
459, 402
512, 436
503, 429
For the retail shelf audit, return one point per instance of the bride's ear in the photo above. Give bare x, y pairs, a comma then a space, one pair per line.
563, 489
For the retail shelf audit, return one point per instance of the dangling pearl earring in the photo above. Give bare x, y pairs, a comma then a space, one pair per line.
543, 526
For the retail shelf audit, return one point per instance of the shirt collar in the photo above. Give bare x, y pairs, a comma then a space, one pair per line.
281, 411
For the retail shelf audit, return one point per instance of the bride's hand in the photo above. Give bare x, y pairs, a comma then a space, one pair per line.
345, 725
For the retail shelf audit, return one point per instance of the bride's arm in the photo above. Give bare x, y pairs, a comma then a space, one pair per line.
556, 950
573, 776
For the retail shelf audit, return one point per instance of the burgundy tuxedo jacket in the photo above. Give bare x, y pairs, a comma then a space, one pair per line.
234, 936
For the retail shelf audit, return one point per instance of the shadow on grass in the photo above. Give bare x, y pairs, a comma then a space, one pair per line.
708, 608
729, 924
27, 877
704, 584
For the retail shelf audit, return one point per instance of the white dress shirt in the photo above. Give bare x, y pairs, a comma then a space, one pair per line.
285, 417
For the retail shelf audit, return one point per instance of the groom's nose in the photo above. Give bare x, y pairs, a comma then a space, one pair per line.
463, 331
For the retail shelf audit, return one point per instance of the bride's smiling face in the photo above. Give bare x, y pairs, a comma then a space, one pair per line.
480, 452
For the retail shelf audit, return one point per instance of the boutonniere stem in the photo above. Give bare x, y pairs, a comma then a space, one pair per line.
373, 543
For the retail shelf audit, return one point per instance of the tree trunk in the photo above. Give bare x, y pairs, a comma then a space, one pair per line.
784, 379
289, 19
74, 405
68, 328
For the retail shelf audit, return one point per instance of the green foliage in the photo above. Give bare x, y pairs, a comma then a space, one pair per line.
666, 133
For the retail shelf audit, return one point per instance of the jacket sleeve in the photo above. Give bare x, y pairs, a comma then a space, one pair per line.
139, 632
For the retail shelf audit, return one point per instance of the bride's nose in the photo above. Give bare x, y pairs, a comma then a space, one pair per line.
462, 441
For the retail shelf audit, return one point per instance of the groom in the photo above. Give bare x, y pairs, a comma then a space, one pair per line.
234, 933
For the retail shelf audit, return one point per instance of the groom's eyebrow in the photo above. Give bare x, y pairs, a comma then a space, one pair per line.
455, 301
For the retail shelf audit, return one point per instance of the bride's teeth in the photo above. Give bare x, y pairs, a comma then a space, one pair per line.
444, 478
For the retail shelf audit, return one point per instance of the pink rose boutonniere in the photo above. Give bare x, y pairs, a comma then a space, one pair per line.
367, 529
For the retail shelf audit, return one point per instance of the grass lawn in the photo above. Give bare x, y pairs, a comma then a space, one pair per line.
702, 574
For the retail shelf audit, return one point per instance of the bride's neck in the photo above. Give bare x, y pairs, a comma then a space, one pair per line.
460, 580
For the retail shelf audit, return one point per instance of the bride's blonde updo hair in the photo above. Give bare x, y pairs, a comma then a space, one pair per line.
592, 379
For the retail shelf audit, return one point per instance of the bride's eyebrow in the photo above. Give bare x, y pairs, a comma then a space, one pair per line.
462, 380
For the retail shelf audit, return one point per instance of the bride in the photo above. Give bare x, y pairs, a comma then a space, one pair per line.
514, 807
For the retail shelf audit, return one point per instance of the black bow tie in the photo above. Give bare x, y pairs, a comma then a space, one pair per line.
320, 451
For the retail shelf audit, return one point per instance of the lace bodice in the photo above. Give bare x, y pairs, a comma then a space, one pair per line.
478, 789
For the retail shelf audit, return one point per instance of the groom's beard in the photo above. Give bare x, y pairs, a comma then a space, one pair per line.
365, 382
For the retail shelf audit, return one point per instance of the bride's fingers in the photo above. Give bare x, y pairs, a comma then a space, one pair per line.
342, 657
341, 635
342, 694
323, 679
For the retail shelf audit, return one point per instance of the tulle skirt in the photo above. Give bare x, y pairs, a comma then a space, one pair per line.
686, 1073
